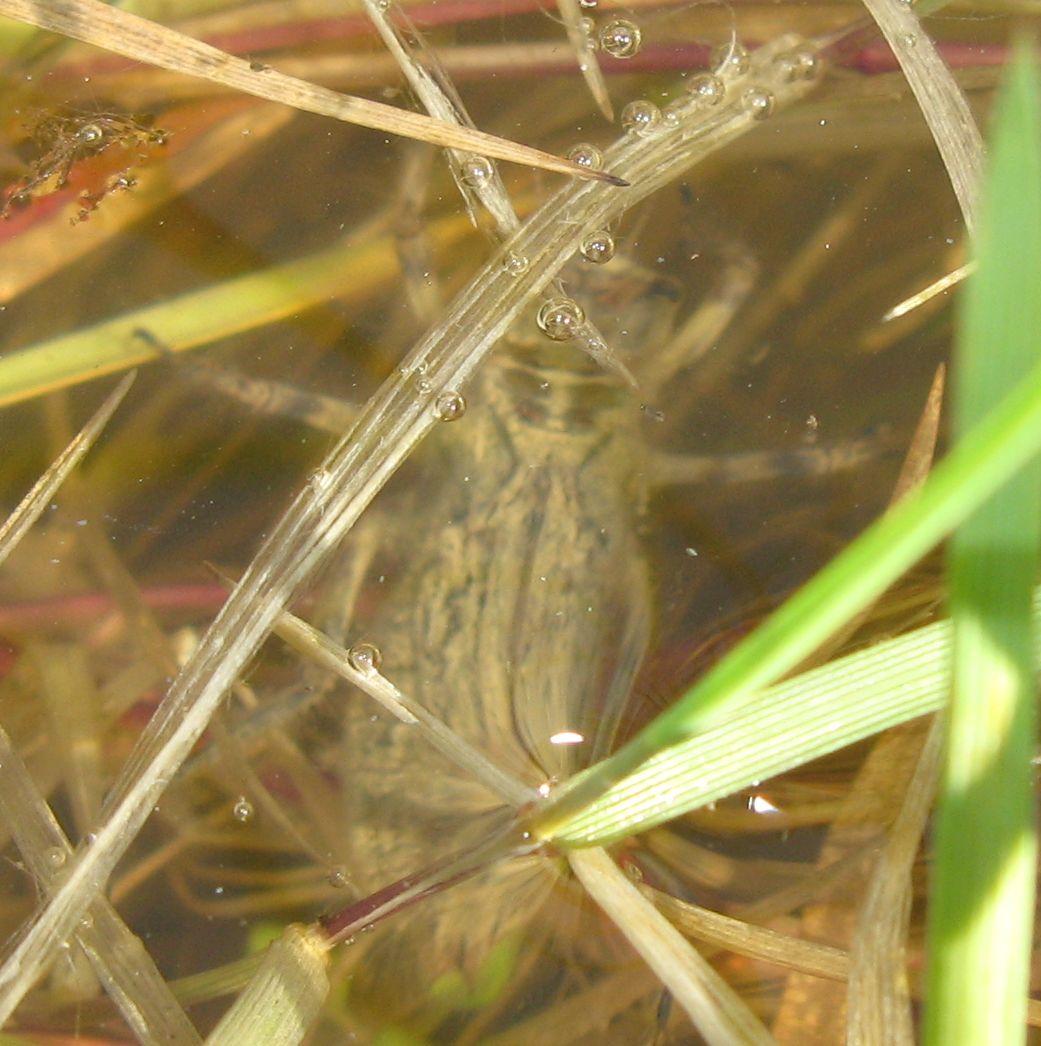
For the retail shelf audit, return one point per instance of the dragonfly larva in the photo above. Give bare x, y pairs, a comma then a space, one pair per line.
521, 618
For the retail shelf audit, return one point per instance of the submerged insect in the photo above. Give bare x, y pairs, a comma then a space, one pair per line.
523, 612
112, 143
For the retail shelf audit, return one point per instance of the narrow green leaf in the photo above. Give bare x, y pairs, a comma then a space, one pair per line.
982, 900
983, 461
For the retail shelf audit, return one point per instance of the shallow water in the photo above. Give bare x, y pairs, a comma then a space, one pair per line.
526, 574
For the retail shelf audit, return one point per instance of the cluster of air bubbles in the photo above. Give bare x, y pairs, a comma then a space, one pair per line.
242, 811
758, 102
560, 319
476, 171
641, 116
598, 247
730, 59
515, 264
620, 38
706, 89
800, 63
586, 155
365, 658
450, 406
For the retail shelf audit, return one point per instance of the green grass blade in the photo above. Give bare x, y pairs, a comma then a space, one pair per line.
983, 461
982, 901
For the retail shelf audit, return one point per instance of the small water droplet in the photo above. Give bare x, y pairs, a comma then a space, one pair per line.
560, 318
365, 658
634, 872
620, 38
476, 171
730, 59
598, 247
910, 40
56, 856
587, 3
242, 811
423, 386
706, 88
450, 406
338, 877
586, 155
641, 116
758, 101
515, 264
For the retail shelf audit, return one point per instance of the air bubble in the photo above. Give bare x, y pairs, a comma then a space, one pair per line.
620, 38
586, 155
242, 811
730, 59
706, 88
450, 406
338, 877
809, 62
641, 116
56, 856
365, 658
758, 101
476, 171
561, 318
598, 247
801, 63
515, 264
89, 134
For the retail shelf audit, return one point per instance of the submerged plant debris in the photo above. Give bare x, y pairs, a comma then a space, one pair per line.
498, 462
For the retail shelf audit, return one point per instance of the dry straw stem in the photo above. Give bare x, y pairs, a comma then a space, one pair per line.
757, 942
879, 995
28, 511
419, 65
323, 651
120, 960
717, 1011
398, 416
419, 69
585, 56
940, 98
97, 23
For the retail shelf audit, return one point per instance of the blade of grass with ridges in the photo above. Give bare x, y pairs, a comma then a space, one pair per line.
982, 900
